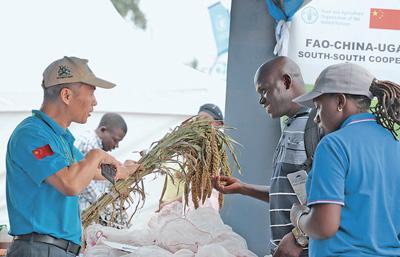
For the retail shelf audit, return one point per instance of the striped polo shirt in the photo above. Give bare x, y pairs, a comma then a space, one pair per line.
290, 156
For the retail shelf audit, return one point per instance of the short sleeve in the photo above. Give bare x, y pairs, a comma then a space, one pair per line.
23, 150
327, 176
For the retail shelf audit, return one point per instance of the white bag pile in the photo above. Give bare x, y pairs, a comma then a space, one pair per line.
201, 233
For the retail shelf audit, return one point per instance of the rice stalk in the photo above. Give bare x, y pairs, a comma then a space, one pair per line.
199, 149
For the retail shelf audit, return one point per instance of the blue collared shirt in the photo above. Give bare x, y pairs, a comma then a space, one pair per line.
358, 168
38, 148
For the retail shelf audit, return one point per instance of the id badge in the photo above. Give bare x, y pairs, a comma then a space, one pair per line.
298, 181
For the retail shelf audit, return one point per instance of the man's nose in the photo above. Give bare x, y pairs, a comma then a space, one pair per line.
262, 100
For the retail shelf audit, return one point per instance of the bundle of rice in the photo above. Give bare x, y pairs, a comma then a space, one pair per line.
199, 149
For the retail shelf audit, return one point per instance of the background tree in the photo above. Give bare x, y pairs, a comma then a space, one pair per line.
130, 9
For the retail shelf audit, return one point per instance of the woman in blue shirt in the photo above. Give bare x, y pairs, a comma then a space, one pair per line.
353, 186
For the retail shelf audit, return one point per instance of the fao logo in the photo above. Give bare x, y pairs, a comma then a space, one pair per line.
309, 15
221, 23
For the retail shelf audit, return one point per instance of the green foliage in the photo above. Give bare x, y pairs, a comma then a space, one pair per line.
309, 87
130, 8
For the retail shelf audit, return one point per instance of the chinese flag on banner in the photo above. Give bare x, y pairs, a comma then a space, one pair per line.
384, 19
42, 152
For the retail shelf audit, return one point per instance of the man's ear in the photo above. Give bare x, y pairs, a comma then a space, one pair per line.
66, 95
287, 80
103, 128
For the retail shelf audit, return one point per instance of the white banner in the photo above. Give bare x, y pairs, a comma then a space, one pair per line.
366, 32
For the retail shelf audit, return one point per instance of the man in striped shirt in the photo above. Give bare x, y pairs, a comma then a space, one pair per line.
107, 136
278, 82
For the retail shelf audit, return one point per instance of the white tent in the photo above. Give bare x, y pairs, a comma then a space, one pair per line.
153, 94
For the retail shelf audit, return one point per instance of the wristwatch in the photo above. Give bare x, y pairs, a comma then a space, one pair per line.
301, 238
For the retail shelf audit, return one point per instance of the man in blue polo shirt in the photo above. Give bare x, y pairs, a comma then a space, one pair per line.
45, 172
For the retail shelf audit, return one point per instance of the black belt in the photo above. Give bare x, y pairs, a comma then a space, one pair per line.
66, 245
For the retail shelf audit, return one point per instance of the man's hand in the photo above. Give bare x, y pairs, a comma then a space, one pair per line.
288, 247
129, 168
227, 185
132, 166
103, 157
121, 174
231, 185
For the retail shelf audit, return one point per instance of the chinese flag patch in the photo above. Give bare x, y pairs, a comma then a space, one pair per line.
42, 152
384, 19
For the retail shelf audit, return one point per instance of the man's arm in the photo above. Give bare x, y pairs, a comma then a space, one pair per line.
71, 180
85, 144
231, 185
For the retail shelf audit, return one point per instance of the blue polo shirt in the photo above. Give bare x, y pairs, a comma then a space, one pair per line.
37, 149
358, 168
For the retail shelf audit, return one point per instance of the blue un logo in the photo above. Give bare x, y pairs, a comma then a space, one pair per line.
309, 15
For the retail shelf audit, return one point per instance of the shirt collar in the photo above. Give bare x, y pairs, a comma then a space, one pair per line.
360, 117
98, 139
60, 131
301, 112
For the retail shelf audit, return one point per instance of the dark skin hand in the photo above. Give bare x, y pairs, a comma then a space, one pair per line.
288, 247
227, 185
231, 185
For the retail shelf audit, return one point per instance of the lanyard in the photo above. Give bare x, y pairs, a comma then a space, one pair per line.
68, 151
61, 141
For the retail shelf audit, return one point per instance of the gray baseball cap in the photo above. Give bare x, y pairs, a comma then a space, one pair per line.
345, 78
213, 110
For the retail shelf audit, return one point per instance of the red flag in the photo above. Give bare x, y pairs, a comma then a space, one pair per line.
42, 152
384, 19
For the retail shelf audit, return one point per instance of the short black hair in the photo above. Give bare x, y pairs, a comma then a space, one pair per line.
51, 94
113, 120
